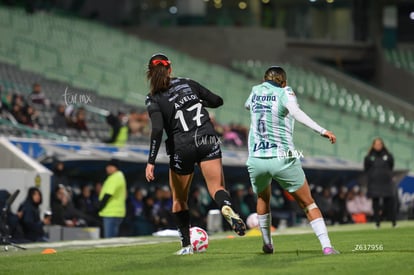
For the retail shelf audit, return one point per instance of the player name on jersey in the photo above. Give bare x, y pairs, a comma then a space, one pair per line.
178, 104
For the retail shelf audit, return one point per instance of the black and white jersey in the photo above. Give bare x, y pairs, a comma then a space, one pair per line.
181, 112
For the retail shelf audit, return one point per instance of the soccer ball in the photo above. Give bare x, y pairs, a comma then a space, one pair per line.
252, 221
199, 239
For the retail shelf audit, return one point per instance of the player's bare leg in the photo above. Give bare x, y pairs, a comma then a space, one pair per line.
213, 174
180, 187
306, 202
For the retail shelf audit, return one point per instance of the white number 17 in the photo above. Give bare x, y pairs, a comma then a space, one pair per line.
179, 115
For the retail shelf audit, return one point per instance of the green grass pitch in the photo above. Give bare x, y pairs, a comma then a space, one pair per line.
364, 250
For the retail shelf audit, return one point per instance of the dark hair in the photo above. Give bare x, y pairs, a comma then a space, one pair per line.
275, 74
31, 192
159, 73
384, 149
113, 162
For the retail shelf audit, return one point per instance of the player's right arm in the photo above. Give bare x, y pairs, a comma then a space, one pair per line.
157, 124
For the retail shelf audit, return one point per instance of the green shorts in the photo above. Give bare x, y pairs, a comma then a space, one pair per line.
287, 172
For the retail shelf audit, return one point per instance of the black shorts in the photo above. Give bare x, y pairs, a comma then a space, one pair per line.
184, 157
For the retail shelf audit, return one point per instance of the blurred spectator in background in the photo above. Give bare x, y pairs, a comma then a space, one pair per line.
113, 199
162, 208
233, 134
37, 96
97, 187
69, 114
239, 204
16, 107
378, 166
18, 114
340, 213
138, 123
119, 129
281, 207
19, 111
250, 199
59, 119
324, 202
292, 212
198, 212
231, 137
142, 224
17, 99
79, 120
136, 203
63, 210
29, 216
59, 177
6, 100
88, 206
149, 213
358, 205
31, 117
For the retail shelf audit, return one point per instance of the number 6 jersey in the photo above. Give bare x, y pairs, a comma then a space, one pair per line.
180, 110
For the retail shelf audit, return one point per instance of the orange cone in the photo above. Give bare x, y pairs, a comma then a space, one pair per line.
49, 251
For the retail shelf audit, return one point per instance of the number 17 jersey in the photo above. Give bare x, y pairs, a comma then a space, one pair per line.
183, 110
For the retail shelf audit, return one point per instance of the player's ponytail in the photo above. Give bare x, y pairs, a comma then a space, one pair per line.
277, 75
159, 69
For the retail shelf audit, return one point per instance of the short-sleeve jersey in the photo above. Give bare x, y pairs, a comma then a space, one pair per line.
271, 126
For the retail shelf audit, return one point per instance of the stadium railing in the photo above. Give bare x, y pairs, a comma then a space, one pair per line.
31, 132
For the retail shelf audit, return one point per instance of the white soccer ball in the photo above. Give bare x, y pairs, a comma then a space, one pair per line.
252, 221
199, 239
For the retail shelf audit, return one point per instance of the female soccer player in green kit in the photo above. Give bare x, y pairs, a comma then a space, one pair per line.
272, 154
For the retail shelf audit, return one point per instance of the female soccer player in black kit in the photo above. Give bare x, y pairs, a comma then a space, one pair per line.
178, 106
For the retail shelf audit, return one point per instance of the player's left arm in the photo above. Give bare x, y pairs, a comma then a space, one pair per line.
293, 107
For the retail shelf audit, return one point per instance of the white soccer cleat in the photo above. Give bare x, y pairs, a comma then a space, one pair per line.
234, 220
187, 250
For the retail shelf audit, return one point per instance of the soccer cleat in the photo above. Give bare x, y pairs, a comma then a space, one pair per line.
234, 220
330, 251
268, 248
187, 250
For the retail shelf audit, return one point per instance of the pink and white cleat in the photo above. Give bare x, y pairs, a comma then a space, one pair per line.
330, 251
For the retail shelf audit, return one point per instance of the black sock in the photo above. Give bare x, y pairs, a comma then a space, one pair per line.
182, 220
222, 198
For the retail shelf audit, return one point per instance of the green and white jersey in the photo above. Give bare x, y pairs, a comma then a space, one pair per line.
271, 126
